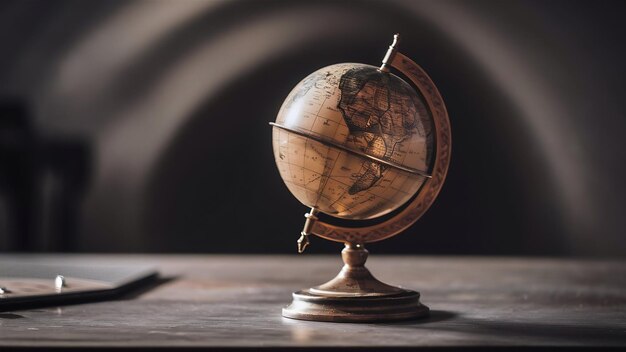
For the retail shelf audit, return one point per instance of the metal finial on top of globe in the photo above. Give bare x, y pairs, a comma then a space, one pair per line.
357, 142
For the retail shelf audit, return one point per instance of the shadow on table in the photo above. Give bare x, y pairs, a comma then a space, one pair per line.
434, 317
145, 288
593, 332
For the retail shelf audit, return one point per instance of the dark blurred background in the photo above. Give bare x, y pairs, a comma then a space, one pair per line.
141, 126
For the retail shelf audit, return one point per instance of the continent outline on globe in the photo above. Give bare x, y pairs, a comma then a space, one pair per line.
374, 122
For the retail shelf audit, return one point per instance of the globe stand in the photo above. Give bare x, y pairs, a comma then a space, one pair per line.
355, 295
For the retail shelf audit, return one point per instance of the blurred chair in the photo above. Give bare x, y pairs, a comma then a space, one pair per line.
41, 182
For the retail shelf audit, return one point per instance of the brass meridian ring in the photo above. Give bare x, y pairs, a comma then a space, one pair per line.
333, 144
431, 187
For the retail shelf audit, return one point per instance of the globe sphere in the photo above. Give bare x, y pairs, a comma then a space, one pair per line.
347, 138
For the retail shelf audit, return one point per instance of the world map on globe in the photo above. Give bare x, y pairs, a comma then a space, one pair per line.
347, 139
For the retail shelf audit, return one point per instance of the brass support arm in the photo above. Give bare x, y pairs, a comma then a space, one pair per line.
303, 241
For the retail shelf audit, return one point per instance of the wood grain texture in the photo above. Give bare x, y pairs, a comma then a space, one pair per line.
236, 301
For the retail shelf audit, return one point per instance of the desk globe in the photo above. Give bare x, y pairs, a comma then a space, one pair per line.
357, 142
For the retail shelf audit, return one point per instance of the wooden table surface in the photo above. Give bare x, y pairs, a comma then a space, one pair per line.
216, 300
